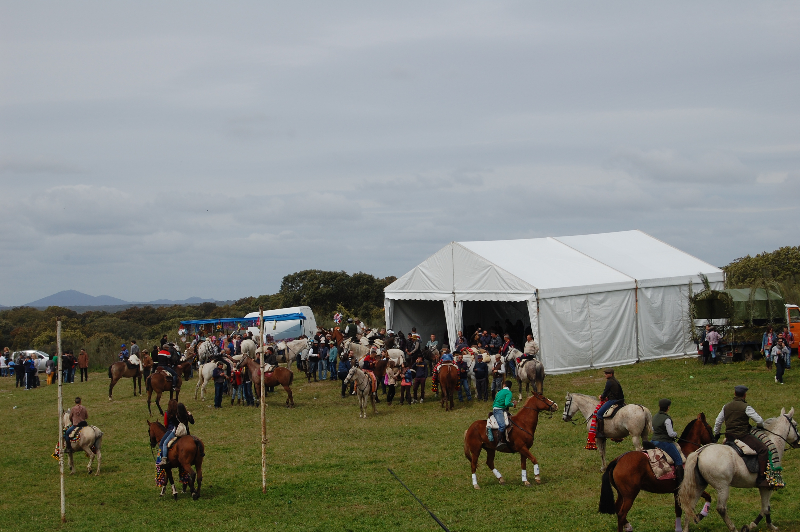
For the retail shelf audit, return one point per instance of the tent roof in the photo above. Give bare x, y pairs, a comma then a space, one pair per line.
516, 269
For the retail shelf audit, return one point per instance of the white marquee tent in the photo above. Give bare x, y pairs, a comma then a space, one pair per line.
590, 300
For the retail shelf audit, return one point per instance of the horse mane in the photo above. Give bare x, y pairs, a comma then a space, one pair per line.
688, 429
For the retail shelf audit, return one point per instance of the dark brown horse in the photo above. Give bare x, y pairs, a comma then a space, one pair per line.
631, 473
448, 381
520, 439
159, 383
188, 451
279, 375
119, 370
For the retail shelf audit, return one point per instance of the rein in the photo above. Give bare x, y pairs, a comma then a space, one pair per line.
568, 406
794, 445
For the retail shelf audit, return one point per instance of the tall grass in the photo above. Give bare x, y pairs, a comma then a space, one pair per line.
327, 469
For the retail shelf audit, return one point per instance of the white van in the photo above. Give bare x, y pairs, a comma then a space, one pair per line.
291, 328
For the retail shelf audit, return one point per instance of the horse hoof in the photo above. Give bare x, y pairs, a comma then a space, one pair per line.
526, 484
195, 496
501, 480
476, 486
175, 496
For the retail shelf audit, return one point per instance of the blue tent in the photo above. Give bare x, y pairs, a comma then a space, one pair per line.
243, 321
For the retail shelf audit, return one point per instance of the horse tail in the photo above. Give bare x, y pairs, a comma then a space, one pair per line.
148, 385
109, 371
291, 377
607, 503
691, 487
539, 376
467, 452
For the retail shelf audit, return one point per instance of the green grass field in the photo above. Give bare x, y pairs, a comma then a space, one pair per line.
327, 469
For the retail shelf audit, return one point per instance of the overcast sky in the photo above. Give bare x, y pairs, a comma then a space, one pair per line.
168, 149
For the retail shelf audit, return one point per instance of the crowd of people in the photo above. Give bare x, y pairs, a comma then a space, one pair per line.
25, 368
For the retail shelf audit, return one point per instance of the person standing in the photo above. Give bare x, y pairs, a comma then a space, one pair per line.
4, 359
219, 383
505, 349
736, 416
391, 382
779, 355
344, 369
498, 374
50, 369
481, 371
313, 360
20, 371
83, 364
247, 387
664, 437
788, 340
412, 349
463, 376
405, 384
134, 349
30, 373
713, 337
323, 359
333, 354
420, 376
767, 343
236, 386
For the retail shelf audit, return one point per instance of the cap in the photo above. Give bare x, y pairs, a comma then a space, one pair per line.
740, 390
608, 371
123, 345
663, 404
390, 331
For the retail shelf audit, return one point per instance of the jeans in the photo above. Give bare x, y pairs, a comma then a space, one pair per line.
464, 386
605, 407
164, 441
323, 370
671, 449
237, 392
482, 389
390, 393
419, 381
780, 367
312, 366
3, 372
497, 384
218, 387
247, 387
342, 377
71, 373
332, 368
501, 421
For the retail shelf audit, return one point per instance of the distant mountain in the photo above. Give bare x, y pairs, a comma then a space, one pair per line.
73, 298
67, 298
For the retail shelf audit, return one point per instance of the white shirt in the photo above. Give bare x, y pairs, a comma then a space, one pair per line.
750, 411
670, 431
531, 348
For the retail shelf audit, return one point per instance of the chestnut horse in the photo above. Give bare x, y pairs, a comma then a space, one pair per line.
279, 375
188, 451
520, 439
448, 381
159, 383
631, 473
120, 369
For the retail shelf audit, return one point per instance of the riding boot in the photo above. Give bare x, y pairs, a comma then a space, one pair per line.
679, 474
761, 479
599, 427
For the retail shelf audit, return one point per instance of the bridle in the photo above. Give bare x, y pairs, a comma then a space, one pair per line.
796, 443
708, 430
550, 410
568, 416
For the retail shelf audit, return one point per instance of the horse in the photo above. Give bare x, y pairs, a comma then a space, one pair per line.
448, 380
360, 351
635, 420
291, 350
159, 383
204, 374
337, 336
279, 375
520, 439
248, 347
188, 451
530, 372
90, 442
120, 369
206, 350
364, 389
722, 468
631, 473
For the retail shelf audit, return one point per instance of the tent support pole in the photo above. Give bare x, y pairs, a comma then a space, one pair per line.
636, 317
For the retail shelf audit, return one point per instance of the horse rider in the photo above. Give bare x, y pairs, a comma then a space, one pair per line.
737, 415
612, 395
502, 401
165, 361
664, 437
77, 417
531, 348
461, 343
351, 330
171, 423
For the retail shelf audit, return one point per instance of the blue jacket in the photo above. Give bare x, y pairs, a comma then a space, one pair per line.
344, 366
481, 370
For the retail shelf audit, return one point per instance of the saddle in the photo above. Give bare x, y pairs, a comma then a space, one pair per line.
748, 455
611, 412
660, 462
492, 430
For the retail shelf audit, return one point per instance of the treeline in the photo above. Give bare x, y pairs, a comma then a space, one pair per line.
102, 333
777, 270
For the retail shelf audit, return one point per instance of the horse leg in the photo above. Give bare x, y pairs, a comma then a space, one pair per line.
372, 400
158, 403
172, 483
490, 465
473, 457
706, 507
723, 492
601, 448
526, 454
133, 381
766, 495
289, 398
71, 464
111, 387
90, 454
624, 504
149, 395
97, 445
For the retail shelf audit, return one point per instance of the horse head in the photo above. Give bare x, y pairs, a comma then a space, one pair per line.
568, 410
792, 432
350, 374
539, 402
151, 433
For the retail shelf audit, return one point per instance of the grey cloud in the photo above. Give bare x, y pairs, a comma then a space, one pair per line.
667, 165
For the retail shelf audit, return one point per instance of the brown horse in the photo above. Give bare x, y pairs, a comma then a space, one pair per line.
188, 451
631, 473
520, 439
119, 370
279, 375
159, 383
448, 380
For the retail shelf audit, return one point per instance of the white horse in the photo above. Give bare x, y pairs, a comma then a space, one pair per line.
205, 373
91, 436
722, 468
206, 351
531, 372
363, 389
249, 348
358, 349
291, 350
635, 420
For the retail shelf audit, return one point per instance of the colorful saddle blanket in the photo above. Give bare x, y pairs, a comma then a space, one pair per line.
660, 462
